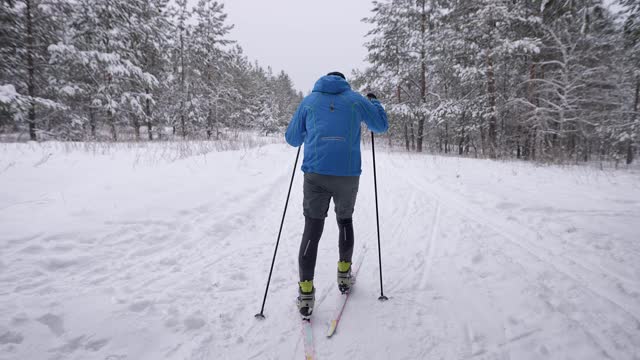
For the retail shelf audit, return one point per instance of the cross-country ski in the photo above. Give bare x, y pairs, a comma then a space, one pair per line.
343, 297
307, 336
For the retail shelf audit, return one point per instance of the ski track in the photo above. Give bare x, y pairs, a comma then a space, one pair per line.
477, 264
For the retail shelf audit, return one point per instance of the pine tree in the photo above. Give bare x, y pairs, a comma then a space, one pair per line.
28, 26
150, 43
389, 52
631, 36
100, 58
212, 85
81, 67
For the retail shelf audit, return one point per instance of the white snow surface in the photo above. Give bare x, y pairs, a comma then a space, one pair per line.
117, 254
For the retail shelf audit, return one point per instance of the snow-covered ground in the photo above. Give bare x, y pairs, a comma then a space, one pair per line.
117, 254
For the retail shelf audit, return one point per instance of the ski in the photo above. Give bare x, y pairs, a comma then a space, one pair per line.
307, 336
342, 299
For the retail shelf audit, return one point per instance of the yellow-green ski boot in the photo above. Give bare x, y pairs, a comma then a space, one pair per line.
344, 276
306, 298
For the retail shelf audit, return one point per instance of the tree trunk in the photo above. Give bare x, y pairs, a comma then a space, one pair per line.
149, 119
423, 75
491, 90
406, 136
182, 87
31, 86
215, 119
587, 151
210, 125
112, 123
136, 127
420, 133
413, 137
183, 126
406, 130
92, 124
483, 137
446, 137
630, 149
462, 135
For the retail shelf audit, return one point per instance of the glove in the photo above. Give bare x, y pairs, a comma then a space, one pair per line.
371, 96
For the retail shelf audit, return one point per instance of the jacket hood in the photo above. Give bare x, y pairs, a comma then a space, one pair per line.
331, 84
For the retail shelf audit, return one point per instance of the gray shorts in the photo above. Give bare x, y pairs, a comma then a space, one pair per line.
319, 189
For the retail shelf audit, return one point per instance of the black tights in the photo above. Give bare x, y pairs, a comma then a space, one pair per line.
309, 246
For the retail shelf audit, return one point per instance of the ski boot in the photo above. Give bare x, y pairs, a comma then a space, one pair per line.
306, 298
344, 276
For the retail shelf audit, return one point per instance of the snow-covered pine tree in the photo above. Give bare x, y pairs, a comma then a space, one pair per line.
181, 59
286, 98
630, 133
244, 108
117, 65
389, 54
536, 79
28, 27
573, 83
487, 27
150, 44
98, 54
212, 85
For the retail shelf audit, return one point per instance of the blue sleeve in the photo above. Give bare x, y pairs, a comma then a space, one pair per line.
296, 131
373, 115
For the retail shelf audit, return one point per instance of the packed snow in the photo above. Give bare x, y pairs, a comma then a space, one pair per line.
147, 252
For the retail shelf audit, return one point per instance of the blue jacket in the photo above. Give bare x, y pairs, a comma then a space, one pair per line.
328, 123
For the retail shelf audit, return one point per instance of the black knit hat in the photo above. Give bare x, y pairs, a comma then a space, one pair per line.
336, 73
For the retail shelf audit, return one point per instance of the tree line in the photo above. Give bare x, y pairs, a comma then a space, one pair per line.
548, 80
114, 69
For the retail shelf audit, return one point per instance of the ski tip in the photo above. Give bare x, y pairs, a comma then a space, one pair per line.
332, 328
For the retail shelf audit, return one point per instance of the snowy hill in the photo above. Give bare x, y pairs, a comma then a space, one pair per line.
119, 254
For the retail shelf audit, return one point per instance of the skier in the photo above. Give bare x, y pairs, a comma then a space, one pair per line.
328, 123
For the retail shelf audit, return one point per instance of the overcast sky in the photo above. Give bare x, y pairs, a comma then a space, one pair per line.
306, 39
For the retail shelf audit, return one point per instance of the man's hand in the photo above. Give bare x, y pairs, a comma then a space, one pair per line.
371, 96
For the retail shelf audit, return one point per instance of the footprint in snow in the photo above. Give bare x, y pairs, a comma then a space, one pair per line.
19, 319
53, 322
32, 250
506, 206
63, 248
477, 258
22, 240
168, 261
11, 337
82, 342
238, 276
140, 306
96, 345
194, 322
57, 264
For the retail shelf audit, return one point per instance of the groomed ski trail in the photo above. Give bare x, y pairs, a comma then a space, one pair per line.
482, 260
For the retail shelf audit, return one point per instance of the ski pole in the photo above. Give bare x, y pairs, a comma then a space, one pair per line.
266, 290
375, 189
